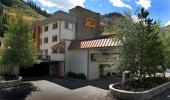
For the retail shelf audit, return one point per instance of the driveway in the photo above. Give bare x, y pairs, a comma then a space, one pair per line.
59, 89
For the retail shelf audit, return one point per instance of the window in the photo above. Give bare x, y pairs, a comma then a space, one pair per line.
55, 25
46, 52
45, 28
54, 39
55, 51
68, 25
61, 50
46, 40
41, 41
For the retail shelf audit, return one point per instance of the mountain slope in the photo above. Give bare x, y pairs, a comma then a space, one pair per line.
108, 21
18, 5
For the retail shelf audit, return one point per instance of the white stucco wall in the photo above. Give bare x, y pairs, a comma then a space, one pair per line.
68, 34
50, 33
67, 58
94, 66
61, 33
78, 61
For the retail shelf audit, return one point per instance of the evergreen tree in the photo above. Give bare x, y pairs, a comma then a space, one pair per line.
6, 2
19, 48
142, 51
37, 8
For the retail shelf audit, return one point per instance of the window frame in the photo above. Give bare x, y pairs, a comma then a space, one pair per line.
46, 52
45, 42
46, 28
55, 25
54, 38
68, 27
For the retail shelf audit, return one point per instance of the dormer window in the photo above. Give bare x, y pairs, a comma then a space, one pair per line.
46, 28
55, 25
68, 25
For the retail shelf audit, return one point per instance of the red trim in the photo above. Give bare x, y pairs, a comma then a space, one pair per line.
58, 69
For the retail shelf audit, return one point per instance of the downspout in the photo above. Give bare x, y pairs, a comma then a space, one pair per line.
65, 58
87, 65
64, 48
59, 30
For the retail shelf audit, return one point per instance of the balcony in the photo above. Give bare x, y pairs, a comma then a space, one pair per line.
44, 57
57, 57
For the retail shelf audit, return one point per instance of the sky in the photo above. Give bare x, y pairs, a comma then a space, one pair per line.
159, 9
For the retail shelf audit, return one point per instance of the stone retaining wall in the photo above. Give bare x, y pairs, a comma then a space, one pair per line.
12, 83
144, 95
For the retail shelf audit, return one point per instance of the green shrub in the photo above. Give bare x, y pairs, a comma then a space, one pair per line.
1, 78
76, 76
71, 75
81, 76
7, 77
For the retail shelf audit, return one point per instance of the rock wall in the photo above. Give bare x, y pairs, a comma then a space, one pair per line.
83, 31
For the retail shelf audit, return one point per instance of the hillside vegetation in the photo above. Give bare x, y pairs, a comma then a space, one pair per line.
108, 22
32, 12
18, 5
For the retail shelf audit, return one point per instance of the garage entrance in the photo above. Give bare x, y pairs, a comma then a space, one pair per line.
36, 70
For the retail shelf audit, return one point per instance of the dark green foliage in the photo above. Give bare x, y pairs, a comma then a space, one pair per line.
3, 21
146, 84
7, 77
76, 76
143, 50
6, 2
19, 48
37, 8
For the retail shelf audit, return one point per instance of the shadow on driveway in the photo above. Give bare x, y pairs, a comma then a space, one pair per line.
75, 83
163, 96
17, 93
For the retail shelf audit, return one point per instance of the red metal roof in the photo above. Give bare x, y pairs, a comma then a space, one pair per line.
94, 43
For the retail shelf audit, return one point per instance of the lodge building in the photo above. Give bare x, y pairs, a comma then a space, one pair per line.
73, 42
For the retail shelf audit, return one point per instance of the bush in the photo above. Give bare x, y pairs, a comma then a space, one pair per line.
81, 76
76, 76
7, 77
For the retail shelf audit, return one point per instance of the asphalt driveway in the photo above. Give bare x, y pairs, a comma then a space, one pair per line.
60, 89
